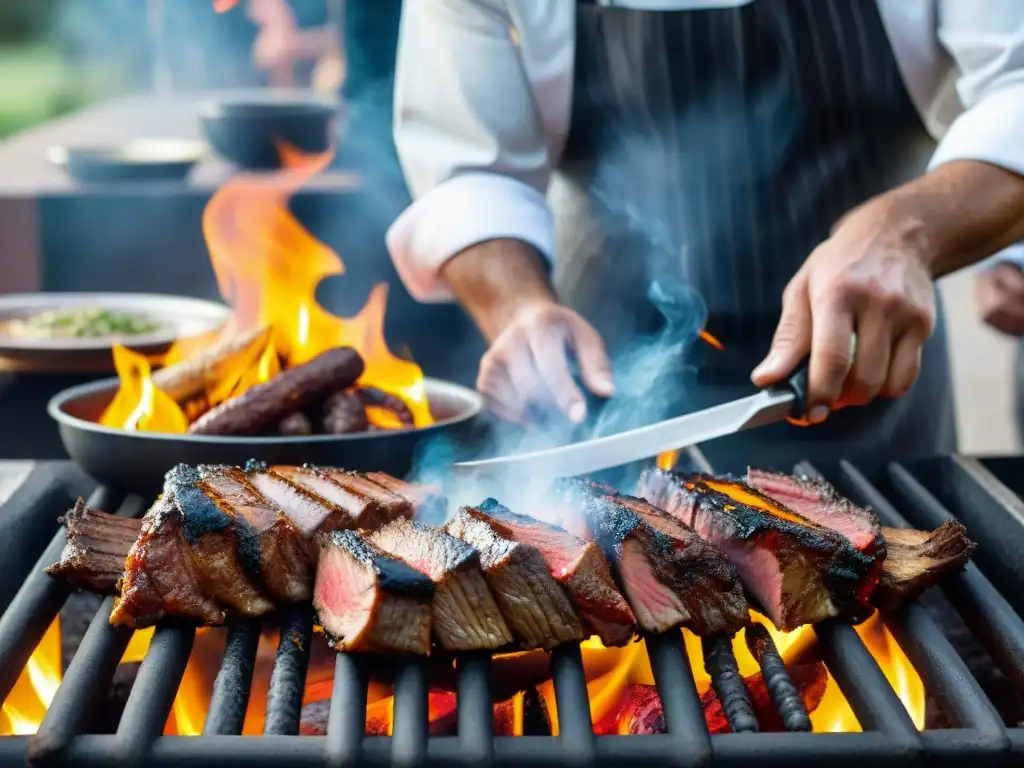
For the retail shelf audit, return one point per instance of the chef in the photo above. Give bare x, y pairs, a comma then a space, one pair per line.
808, 167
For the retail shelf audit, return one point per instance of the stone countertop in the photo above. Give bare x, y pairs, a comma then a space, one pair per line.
25, 171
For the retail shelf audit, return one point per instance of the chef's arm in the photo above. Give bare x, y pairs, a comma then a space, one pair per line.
970, 205
473, 149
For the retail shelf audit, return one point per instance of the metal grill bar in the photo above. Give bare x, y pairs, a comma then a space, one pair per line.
153, 691
87, 677
233, 683
346, 721
986, 612
946, 677
411, 716
575, 728
288, 679
684, 715
35, 606
476, 721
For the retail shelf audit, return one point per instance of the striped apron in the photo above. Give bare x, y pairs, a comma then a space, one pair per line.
709, 152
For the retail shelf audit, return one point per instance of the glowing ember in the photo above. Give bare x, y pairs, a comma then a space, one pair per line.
268, 267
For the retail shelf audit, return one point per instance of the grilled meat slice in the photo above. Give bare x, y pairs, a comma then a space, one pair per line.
426, 500
820, 503
223, 548
534, 605
579, 566
286, 557
98, 544
368, 601
918, 559
799, 571
669, 574
366, 504
465, 615
309, 511
159, 579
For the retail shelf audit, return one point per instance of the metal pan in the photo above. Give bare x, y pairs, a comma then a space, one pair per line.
136, 461
176, 316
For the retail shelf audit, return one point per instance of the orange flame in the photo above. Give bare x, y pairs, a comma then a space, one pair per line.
268, 267
139, 404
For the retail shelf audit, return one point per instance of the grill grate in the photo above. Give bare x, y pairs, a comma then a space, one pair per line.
923, 491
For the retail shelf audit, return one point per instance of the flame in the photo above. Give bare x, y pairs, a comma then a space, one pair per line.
139, 404
608, 671
268, 267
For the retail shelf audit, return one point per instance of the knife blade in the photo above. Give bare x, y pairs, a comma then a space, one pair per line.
760, 409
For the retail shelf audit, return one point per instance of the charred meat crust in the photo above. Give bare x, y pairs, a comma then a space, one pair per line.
159, 579
821, 503
534, 605
98, 545
580, 567
223, 547
708, 595
466, 616
292, 390
396, 619
918, 559
834, 578
285, 555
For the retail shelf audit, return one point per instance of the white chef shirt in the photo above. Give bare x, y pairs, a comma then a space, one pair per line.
483, 97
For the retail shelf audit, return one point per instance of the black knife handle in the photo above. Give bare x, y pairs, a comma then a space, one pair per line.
798, 383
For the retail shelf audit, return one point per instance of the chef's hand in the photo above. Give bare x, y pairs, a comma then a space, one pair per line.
868, 277
526, 371
1000, 294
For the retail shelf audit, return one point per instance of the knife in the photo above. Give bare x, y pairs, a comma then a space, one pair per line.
767, 406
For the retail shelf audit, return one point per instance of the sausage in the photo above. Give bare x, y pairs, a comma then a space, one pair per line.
343, 412
389, 402
190, 378
292, 390
295, 424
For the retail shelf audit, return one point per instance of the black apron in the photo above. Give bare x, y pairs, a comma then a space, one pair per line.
709, 152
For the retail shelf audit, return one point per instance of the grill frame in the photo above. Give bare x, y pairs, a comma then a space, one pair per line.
914, 491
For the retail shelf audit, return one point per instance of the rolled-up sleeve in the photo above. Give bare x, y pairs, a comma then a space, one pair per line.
469, 138
986, 41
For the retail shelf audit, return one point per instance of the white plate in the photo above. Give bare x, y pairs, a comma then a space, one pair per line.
177, 316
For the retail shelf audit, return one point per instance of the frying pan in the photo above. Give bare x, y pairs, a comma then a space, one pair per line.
136, 461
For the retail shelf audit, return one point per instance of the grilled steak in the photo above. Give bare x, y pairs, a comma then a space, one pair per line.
285, 555
799, 571
820, 503
98, 543
367, 504
223, 547
308, 510
918, 559
577, 565
367, 601
535, 607
465, 614
669, 574
425, 499
159, 579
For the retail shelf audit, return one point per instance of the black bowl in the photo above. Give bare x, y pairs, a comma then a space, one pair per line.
135, 462
248, 132
142, 160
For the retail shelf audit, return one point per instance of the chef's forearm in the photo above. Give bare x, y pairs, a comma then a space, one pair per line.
957, 214
495, 279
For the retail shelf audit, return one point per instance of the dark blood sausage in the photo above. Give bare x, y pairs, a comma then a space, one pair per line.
342, 413
289, 391
295, 424
372, 396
